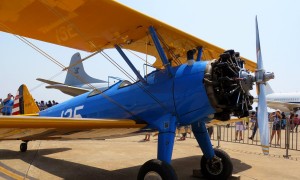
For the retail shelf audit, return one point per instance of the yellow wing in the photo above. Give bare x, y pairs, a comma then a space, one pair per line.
37, 128
232, 120
93, 25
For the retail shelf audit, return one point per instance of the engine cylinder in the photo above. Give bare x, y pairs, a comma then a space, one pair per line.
228, 84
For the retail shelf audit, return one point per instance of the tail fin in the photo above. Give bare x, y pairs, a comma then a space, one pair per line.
24, 103
269, 90
78, 69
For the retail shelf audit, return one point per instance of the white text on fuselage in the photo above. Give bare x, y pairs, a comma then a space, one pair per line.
72, 112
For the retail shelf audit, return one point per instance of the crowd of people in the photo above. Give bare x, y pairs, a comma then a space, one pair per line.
278, 119
6, 104
44, 105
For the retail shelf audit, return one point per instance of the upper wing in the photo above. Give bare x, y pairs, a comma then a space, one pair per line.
93, 25
35, 128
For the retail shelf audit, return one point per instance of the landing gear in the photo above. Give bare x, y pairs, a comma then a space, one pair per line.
158, 170
23, 146
220, 167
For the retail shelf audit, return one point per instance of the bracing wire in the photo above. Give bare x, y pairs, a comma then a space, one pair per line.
40, 84
132, 78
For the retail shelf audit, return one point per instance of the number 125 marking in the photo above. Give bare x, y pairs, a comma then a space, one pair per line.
72, 113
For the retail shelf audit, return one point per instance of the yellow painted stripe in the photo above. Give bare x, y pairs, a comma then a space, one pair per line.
264, 146
10, 174
66, 123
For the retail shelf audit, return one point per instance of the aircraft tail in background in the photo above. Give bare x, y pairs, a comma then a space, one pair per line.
269, 90
76, 79
78, 70
24, 102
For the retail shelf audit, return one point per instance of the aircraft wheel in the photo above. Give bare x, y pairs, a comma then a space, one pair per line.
23, 147
220, 167
157, 170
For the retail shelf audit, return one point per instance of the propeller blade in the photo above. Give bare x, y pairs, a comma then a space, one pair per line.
262, 114
262, 118
258, 50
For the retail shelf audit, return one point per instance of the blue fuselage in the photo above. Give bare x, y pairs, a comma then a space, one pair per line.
182, 95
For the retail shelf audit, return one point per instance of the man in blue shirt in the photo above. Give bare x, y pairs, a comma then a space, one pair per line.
7, 105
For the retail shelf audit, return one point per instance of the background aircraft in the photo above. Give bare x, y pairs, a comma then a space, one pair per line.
77, 80
183, 90
286, 101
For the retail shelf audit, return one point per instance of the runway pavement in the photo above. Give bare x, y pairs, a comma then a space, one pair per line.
121, 159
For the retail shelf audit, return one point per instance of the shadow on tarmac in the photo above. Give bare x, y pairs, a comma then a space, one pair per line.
71, 170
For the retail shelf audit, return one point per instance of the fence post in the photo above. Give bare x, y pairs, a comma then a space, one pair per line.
218, 135
287, 139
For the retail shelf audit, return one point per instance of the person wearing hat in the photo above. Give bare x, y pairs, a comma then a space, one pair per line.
276, 127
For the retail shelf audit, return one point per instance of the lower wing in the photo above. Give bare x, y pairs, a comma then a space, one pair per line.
43, 128
232, 120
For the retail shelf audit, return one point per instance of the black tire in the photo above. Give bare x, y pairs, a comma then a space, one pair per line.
23, 147
221, 170
157, 168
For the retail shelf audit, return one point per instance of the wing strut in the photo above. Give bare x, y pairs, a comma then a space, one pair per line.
136, 72
199, 53
160, 50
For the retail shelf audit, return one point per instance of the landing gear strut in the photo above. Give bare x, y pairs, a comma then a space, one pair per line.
220, 167
23, 146
160, 168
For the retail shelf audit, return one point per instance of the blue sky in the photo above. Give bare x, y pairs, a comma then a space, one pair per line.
227, 24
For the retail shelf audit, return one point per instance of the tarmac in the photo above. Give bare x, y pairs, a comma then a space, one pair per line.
121, 159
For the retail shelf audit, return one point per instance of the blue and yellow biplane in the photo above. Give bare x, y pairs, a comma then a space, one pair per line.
194, 82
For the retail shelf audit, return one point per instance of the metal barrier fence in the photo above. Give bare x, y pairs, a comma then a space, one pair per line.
288, 137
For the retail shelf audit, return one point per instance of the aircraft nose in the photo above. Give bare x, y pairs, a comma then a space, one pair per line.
228, 86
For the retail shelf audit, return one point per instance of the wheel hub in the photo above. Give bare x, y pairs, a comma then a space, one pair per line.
152, 175
215, 166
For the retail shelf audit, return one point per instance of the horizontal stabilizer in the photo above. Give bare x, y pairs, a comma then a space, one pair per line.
70, 90
48, 81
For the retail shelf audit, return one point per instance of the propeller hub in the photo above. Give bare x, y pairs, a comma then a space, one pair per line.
246, 80
261, 77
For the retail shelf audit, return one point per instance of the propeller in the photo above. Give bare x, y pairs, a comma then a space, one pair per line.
261, 77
